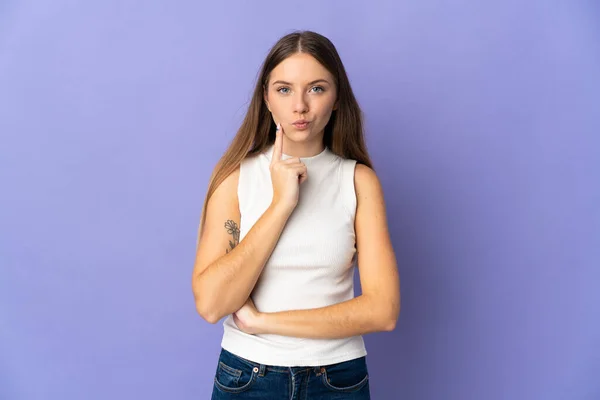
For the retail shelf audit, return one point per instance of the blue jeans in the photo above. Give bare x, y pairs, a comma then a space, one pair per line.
238, 378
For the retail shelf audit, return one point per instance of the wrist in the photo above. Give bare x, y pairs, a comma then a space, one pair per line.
281, 209
262, 323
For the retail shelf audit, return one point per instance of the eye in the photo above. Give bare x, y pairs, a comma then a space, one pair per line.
281, 90
320, 89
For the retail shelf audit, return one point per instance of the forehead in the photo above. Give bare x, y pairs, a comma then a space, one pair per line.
300, 68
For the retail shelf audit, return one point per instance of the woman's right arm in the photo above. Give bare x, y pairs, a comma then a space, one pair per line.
223, 276
223, 282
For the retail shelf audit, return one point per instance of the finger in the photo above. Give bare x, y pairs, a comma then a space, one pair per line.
300, 170
294, 166
278, 148
303, 177
293, 160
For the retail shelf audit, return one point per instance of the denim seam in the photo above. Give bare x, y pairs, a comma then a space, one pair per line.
240, 389
232, 371
352, 388
307, 381
252, 364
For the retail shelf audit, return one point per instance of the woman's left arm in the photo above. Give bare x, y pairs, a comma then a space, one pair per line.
376, 309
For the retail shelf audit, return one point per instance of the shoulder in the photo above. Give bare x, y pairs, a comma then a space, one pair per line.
366, 182
364, 173
228, 187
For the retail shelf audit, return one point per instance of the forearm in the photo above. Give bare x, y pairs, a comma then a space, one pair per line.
358, 316
223, 287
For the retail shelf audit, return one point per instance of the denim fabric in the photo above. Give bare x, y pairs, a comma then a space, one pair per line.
238, 378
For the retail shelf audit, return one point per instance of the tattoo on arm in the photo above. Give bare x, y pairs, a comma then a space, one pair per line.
234, 231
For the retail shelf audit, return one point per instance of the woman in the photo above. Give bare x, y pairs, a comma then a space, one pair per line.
292, 206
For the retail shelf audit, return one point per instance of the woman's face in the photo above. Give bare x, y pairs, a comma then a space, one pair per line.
300, 88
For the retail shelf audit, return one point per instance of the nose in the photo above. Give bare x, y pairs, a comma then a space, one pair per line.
300, 104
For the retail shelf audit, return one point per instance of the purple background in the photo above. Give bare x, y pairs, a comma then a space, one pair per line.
482, 120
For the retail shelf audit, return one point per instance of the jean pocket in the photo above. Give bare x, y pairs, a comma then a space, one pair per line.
234, 375
347, 376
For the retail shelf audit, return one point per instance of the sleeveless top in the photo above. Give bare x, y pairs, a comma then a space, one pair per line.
311, 266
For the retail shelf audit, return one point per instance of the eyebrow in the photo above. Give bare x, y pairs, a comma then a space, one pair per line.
310, 83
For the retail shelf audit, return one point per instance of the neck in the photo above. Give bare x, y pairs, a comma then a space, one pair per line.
309, 155
302, 149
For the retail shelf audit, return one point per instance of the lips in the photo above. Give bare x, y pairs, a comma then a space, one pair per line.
301, 124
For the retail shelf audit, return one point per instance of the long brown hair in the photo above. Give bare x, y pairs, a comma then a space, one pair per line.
344, 134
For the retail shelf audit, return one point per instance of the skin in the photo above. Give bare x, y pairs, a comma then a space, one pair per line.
291, 94
378, 307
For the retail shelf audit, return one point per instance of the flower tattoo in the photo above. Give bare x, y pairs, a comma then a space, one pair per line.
233, 230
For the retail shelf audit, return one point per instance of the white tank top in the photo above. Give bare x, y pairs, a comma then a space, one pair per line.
312, 264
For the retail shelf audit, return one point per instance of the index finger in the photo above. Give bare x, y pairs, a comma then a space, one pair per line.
278, 147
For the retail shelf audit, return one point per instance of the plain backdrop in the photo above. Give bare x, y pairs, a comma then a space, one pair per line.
483, 121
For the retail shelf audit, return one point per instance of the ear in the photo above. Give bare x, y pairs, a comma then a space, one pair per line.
335, 106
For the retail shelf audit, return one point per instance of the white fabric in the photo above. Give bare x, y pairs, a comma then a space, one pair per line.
312, 264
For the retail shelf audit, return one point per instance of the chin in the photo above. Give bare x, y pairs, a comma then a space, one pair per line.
300, 136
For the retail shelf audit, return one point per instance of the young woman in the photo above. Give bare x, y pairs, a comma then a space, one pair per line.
292, 207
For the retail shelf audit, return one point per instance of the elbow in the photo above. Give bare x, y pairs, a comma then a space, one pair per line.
211, 318
388, 322
204, 307
386, 313
389, 325
207, 312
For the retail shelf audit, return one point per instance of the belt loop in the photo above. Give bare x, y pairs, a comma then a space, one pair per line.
262, 369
